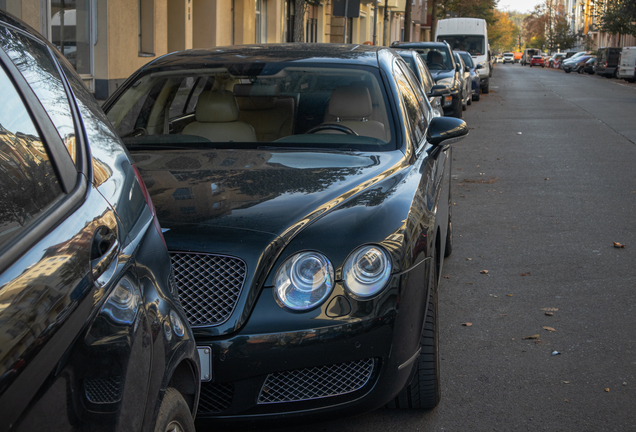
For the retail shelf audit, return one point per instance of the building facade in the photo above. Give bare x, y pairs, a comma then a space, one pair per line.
107, 40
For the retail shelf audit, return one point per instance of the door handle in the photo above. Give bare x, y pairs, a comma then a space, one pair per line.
104, 251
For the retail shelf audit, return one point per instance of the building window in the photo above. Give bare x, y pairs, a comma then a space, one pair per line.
311, 32
146, 27
70, 31
349, 30
261, 21
290, 14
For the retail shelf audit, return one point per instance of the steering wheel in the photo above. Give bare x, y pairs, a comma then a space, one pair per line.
332, 126
436, 66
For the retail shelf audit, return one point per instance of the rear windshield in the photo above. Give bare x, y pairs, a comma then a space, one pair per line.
247, 104
474, 44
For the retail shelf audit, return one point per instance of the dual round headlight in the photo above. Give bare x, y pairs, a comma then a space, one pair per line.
306, 279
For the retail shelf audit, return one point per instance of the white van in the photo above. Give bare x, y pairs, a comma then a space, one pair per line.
468, 34
627, 65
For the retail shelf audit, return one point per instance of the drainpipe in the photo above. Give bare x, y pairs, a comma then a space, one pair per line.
375, 23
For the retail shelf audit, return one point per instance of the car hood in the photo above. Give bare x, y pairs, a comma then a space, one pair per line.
261, 195
439, 74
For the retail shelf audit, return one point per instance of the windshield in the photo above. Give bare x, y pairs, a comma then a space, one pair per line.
474, 44
468, 60
436, 58
246, 105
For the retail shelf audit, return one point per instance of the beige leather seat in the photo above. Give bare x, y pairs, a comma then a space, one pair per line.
351, 106
271, 116
216, 116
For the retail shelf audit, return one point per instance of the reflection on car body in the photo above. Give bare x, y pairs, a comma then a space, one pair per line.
306, 189
91, 331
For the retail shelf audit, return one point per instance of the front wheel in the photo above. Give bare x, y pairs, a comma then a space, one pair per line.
424, 390
174, 413
458, 109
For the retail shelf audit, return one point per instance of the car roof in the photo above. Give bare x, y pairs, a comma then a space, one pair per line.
285, 52
419, 45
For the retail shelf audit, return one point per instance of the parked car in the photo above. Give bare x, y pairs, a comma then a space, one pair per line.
627, 67
590, 66
577, 64
608, 62
437, 93
92, 333
444, 70
528, 54
537, 61
508, 57
305, 190
555, 60
466, 81
572, 58
474, 76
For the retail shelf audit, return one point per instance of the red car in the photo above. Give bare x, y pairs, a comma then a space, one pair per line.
537, 61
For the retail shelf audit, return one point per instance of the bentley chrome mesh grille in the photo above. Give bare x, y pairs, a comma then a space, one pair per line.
103, 390
215, 397
316, 382
209, 285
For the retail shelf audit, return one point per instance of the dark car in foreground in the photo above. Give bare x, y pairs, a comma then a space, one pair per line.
92, 333
444, 70
305, 194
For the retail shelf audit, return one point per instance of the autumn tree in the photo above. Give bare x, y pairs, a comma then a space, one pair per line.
484, 9
502, 33
616, 17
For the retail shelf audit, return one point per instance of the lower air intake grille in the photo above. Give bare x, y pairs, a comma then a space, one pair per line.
215, 398
103, 390
316, 382
209, 285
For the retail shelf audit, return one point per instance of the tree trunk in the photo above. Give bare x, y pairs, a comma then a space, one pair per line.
385, 35
299, 21
407, 21
434, 20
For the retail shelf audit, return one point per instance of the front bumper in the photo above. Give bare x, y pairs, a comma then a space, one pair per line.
339, 366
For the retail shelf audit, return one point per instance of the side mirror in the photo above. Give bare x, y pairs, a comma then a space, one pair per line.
445, 130
458, 67
479, 66
466, 69
438, 90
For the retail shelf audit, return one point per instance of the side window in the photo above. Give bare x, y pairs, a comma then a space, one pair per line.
35, 63
427, 81
28, 184
414, 101
185, 100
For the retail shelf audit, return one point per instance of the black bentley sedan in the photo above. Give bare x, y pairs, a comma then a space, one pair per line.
92, 334
304, 190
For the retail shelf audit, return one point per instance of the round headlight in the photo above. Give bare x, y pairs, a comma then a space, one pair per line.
304, 280
367, 271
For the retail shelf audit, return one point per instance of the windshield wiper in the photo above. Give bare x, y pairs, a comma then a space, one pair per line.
313, 149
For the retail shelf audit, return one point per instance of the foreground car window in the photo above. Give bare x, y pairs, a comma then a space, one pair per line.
28, 184
281, 104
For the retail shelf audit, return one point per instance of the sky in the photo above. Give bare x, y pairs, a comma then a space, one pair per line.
522, 6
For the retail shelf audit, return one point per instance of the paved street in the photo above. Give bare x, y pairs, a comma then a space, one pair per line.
543, 186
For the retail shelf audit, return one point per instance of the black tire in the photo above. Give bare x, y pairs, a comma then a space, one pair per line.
470, 100
580, 70
567, 70
174, 413
448, 250
424, 390
458, 109
476, 96
616, 73
485, 89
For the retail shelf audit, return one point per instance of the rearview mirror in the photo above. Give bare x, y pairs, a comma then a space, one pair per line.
438, 90
443, 131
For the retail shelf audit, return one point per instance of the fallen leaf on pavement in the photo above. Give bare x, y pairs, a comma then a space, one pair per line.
525, 274
566, 382
484, 272
503, 314
469, 259
618, 245
469, 283
446, 277
549, 328
467, 324
532, 337
509, 295
607, 389
565, 400
549, 313
547, 178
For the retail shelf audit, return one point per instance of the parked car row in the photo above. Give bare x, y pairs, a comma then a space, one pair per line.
610, 62
249, 234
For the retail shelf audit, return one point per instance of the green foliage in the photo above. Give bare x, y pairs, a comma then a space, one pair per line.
616, 16
484, 9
